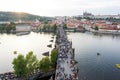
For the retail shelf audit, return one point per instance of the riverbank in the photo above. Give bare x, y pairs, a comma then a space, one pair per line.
106, 32
36, 76
22, 33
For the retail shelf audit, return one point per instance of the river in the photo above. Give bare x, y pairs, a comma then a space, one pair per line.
87, 45
36, 42
94, 67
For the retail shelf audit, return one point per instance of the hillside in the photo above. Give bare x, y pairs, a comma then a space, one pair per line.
15, 16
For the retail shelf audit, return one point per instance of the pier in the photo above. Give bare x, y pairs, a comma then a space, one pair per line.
66, 68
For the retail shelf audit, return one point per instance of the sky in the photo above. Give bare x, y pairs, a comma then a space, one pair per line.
61, 7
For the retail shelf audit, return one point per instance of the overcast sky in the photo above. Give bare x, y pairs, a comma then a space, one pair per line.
61, 7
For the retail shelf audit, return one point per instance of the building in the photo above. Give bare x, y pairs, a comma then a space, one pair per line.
86, 14
21, 27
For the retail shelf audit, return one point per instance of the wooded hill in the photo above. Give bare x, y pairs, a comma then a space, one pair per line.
15, 16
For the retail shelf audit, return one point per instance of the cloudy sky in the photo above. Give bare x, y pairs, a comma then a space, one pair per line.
61, 7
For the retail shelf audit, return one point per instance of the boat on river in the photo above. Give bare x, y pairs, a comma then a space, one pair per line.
22, 33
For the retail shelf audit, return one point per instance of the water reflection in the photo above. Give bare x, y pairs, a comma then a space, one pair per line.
36, 42
87, 45
91, 66
106, 35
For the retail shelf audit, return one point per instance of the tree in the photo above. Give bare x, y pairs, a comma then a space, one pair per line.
54, 57
32, 62
74, 29
96, 28
19, 65
8, 28
44, 28
46, 22
54, 28
24, 66
48, 27
12, 25
44, 64
65, 26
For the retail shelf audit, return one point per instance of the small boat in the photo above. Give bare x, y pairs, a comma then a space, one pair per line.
50, 45
98, 53
22, 33
46, 53
118, 66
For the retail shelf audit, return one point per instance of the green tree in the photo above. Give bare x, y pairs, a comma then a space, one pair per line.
8, 28
48, 27
44, 28
54, 28
32, 62
74, 29
65, 26
44, 64
1, 28
54, 57
12, 25
96, 28
19, 65
46, 22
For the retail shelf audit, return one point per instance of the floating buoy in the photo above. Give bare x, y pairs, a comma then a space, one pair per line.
118, 66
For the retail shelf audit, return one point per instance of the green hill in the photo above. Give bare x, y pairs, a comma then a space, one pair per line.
15, 16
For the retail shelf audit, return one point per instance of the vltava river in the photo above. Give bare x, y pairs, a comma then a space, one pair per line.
91, 66
87, 45
36, 42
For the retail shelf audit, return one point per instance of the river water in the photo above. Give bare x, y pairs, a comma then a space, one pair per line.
87, 45
94, 67
36, 42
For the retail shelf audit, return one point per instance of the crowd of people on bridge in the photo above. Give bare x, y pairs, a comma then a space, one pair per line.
66, 68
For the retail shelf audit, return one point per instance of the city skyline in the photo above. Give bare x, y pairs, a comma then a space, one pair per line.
61, 7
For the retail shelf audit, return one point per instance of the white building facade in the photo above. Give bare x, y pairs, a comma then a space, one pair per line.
23, 28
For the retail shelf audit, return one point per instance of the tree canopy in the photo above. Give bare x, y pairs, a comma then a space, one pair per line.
53, 57
44, 64
31, 62
96, 28
24, 66
7, 27
19, 65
